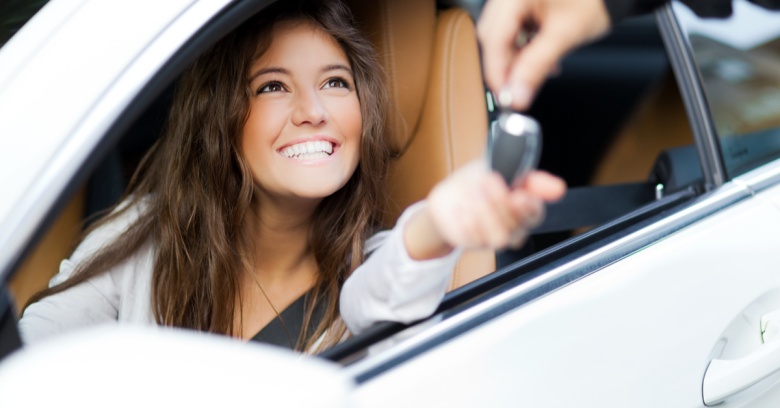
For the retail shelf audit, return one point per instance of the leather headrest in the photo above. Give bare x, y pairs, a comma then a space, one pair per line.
402, 32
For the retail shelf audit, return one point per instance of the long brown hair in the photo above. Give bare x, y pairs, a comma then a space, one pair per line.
195, 189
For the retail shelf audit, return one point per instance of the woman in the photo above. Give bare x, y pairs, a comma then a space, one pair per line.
261, 196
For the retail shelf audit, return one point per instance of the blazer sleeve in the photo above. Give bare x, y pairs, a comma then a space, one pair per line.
390, 285
93, 302
87, 304
620, 9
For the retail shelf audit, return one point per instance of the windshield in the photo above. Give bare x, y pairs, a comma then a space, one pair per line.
14, 14
739, 62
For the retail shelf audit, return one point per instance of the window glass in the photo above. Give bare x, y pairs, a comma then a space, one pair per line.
739, 61
14, 14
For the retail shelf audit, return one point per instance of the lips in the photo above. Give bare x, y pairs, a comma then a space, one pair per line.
310, 149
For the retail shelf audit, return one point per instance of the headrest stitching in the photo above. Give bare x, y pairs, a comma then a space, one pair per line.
397, 118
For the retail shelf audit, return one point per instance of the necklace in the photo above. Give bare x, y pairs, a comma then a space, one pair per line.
276, 312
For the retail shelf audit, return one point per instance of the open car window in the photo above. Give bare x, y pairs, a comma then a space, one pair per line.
739, 63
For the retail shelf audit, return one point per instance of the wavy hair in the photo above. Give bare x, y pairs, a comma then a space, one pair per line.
195, 188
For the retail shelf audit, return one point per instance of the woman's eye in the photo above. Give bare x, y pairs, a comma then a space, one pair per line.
271, 87
336, 83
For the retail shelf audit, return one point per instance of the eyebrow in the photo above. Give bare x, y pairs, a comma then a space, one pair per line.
336, 67
270, 70
283, 71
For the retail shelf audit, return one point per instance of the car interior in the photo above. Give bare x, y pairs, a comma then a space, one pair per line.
613, 122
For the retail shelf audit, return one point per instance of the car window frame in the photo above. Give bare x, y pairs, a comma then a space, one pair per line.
692, 92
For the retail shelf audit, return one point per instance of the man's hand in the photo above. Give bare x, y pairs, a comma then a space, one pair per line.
562, 25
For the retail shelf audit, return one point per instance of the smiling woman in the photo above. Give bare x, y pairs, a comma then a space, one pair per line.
253, 215
203, 239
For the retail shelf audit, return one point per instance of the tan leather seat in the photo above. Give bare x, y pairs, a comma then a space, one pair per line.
43, 261
440, 117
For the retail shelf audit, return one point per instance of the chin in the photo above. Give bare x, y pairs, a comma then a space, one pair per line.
319, 189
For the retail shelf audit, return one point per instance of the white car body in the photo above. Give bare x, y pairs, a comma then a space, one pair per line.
636, 322
57, 100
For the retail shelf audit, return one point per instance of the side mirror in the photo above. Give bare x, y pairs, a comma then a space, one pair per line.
142, 366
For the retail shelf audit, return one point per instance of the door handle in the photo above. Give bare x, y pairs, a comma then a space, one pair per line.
727, 377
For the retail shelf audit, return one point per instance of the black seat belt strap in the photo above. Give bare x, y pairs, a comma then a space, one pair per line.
594, 205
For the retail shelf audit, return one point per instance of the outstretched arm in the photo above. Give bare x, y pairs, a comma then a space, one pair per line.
405, 278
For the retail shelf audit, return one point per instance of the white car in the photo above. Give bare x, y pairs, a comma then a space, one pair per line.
659, 291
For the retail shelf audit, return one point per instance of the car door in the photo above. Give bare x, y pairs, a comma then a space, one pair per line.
677, 310
631, 313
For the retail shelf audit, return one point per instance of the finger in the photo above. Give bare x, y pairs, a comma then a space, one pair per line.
467, 231
497, 194
497, 29
492, 231
530, 211
527, 209
517, 238
498, 220
530, 67
451, 215
544, 185
556, 70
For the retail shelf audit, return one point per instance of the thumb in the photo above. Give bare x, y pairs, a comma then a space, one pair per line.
536, 61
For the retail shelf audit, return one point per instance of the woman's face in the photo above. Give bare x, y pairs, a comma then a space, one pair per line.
302, 137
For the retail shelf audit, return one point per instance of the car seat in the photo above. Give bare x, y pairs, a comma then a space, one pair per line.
439, 118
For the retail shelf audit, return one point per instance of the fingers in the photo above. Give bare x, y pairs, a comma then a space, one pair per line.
536, 61
496, 30
563, 25
474, 208
472, 212
498, 219
544, 185
506, 218
527, 209
530, 210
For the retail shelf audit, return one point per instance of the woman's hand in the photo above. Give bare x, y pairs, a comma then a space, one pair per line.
474, 208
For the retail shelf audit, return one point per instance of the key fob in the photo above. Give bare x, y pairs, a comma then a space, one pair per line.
516, 146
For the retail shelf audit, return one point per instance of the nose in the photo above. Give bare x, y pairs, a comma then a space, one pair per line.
309, 109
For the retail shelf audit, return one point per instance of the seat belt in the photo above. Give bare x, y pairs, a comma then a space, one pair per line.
594, 205
674, 169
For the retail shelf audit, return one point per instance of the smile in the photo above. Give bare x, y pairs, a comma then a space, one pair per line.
308, 150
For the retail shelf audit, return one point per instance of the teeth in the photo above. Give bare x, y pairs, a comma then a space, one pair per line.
309, 150
311, 156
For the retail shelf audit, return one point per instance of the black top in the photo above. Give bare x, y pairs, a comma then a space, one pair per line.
619, 9
285, 329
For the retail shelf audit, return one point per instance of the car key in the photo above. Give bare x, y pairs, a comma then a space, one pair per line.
516, 146
516, 139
